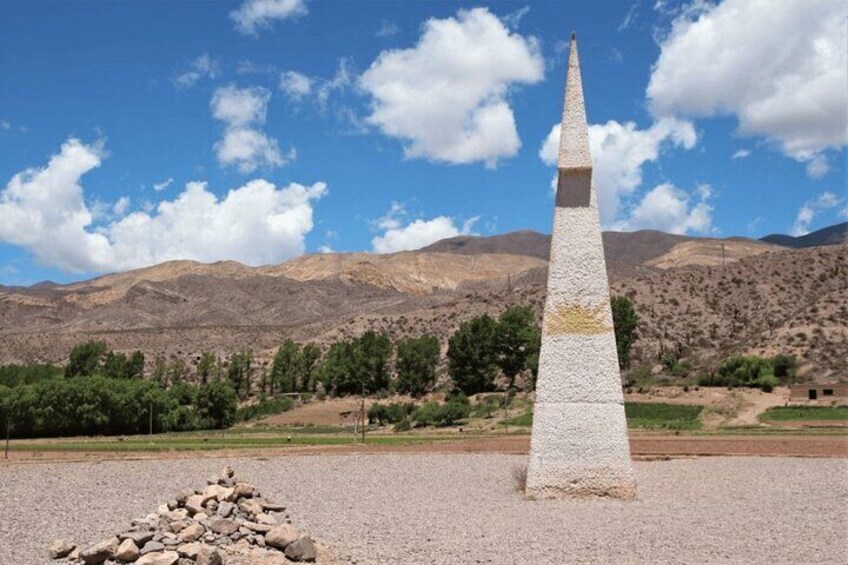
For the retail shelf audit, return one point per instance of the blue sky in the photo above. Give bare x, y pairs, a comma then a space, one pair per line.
137, 132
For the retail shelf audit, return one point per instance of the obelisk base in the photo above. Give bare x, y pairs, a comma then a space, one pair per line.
580, 450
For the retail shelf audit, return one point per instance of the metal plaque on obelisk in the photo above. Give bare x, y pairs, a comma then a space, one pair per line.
579, 445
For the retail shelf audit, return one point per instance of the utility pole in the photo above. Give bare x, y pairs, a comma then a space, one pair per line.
151, 418
8, 433
722, 255
362, 410
506, 419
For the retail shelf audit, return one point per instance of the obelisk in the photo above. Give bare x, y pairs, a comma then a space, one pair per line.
579, 445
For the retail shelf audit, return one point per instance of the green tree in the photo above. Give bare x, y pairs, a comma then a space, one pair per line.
785, 367
518, 341
417, 360
84, 359
135, 366
160, 371
115, 365
176, 370
624, 321
373, 351
310, 355
473, 356
207, 367
358, 366
286, 368
238, 373
217, 403
336, 373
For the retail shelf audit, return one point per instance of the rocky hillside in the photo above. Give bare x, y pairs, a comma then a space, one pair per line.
764, 299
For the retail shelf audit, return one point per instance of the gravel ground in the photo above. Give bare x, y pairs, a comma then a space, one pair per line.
399, 509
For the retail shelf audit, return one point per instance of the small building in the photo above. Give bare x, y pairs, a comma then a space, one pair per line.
819, 392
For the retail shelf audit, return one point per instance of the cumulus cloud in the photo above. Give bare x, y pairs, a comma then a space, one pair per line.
780, 67
202, 67
402, 234
619, 153
824, 201
295, 85
254, 15
244, 145
446, 97
44, 211
672, 210
741, 154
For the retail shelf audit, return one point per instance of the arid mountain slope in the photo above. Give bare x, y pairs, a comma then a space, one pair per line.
832, 235
793, 302
628, 253
765, 299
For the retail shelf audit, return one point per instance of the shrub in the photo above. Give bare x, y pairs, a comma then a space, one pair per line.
435, 414
403, 426
263, 409
742, 371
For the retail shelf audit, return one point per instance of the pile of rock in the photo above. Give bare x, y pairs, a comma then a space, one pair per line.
226, 523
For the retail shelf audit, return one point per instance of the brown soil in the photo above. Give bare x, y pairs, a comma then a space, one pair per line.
642, 445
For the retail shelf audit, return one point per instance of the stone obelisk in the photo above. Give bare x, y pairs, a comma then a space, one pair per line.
579, 445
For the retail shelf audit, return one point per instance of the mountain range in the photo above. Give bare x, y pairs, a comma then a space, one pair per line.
700, 298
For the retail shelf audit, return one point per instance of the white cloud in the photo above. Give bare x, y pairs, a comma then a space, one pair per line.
513, 19
670, 209
44, 211
387, 29
248, 149
121, 206
399, 234
240, 106
5, 125
202, 67
780, 67
244, 145
817, 167
325, 249
254, 15
741, 154
160, 186
295, 85
619, 152
824, 201
629, 18
447, 96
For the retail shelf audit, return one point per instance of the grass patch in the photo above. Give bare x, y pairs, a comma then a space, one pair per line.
161, 444
805, 413
663, 416
643, 415
525, 419
270, 407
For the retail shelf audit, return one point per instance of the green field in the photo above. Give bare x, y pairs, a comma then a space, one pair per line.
179, 442
644, 415
663, 416
805, 414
